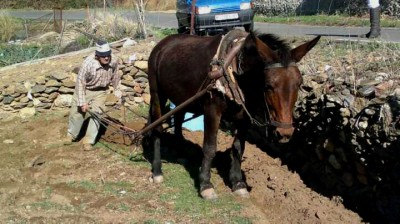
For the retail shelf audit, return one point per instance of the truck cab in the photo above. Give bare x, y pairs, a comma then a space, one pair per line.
215, 15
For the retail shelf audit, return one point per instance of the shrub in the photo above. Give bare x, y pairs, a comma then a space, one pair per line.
8, 26
12, 54
112, 26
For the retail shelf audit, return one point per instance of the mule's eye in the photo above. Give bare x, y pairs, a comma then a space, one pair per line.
268, 87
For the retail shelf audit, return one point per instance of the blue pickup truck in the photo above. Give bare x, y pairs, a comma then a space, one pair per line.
214, 15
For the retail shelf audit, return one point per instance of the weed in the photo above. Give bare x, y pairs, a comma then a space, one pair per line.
116, 188
119, 207
87, 185
48, 205
48, 192
142, 110
12, 54
83, 41
8, 26
186, 200
241, 220
160, 33
151, 221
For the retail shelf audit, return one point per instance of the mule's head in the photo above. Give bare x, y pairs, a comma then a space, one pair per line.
281, 81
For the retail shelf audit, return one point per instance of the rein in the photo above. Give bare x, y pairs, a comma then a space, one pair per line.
223, 66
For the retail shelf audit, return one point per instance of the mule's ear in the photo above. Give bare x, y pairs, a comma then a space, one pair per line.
299, 52
265, 52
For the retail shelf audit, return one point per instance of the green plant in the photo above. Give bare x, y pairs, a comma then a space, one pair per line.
16, 53
151, 221
49, 205
119, 207
88, 185
83, 41
163, 32
8, 26
142, 110
115, 188
186, 199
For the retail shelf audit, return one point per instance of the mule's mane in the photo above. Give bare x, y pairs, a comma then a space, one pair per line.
278, 45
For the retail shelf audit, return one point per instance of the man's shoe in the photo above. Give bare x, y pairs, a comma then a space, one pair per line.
88, 147
69, 139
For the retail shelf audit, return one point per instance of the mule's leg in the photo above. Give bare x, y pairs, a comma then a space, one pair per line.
155, 113
178, 121
235, 174
180, 143
212, 117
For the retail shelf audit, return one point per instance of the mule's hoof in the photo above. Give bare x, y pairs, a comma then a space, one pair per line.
242, 193
209, 194
156, 179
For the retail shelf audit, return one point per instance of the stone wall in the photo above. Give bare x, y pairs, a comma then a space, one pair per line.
55, 89
355, 134
347, 141
310, 7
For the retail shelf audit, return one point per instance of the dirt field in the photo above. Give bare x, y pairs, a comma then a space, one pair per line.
45, 181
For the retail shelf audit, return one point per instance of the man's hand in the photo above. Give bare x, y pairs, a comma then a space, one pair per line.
85, 107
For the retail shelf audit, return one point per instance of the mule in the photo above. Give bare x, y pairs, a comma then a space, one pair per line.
263, 69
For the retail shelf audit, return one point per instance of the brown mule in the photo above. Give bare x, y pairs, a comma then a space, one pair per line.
250, 73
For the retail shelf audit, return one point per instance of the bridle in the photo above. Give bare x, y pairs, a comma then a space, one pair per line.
236, 52
268, 119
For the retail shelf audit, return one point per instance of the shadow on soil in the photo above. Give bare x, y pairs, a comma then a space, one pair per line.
374, 202
299, 157
190, 155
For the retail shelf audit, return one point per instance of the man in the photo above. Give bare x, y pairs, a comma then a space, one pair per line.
97, 72
374, 18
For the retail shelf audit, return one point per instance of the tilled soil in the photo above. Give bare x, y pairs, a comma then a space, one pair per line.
45, 181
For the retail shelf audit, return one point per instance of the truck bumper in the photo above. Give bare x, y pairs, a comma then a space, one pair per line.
209, 21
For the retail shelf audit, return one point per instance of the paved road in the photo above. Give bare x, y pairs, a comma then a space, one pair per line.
168, 20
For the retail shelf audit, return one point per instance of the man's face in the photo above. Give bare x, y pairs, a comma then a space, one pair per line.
104, 60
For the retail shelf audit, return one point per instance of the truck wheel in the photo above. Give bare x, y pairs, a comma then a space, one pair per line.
249, 27
199, 32
181, 28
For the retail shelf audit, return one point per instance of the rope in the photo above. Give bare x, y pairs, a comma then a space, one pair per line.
115, 128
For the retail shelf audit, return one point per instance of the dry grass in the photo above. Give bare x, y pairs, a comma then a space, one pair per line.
8, 26
111, 25
150, 5
160, 5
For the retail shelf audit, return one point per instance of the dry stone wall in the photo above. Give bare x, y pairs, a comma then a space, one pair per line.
55, 89
347, 140
308, 7
353, 125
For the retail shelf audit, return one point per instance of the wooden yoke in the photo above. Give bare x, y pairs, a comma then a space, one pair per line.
233, 40
224, 65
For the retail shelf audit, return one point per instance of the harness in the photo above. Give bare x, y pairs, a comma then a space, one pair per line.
225, 62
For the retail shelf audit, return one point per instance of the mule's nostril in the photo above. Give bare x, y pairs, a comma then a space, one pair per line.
284, 140
284, 134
